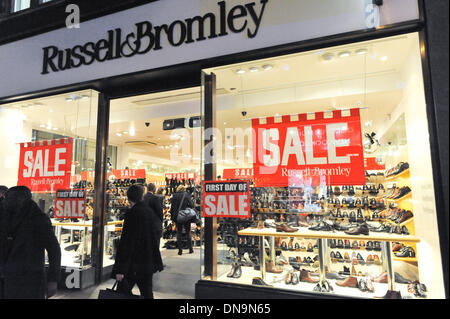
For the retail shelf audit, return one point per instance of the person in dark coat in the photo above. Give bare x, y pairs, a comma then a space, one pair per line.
25, 234
154, 202
178, 202
138, 256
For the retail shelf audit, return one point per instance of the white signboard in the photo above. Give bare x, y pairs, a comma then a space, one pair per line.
171, 32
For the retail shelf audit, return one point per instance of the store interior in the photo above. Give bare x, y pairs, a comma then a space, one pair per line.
381, 77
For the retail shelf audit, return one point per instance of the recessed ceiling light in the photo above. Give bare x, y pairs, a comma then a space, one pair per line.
42, 125
328, 56
85, 97
267, 67
51, 110
254, 69
55, 129
119, 134
384, 58
125, 132
240, 71
361, 51
344, 54
69, 99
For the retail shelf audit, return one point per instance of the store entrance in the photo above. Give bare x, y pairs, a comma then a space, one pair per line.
154, 141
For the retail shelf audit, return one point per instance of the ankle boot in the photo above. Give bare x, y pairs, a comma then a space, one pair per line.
180, 252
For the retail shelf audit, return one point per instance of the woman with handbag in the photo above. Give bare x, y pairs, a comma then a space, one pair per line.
181, 201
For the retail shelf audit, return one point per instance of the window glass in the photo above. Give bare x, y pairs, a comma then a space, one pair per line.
48, 145
335, 145
18, 5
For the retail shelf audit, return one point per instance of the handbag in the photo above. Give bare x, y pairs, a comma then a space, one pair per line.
114, 293
185, 215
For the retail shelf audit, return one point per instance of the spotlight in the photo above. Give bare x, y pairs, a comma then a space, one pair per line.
240, 71
344, 54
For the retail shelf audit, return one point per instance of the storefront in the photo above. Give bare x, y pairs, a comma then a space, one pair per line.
322, 110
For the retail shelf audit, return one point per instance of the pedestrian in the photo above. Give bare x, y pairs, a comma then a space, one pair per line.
138, 256
25, 234
154, 202
181, 200
3, 190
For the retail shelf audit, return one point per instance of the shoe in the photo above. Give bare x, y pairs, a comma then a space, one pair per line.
290, 245
334, 275
362, 244
339, 257
288, 279
295, 280
404, 217
369, 260
360, 259
191, 250
403, 192
361, 229
285, 228
406, 252
349, 282
340, 244
369, 285
404, 230
232, 271
362, 285
369, 245
258, 281
352, 218
310, 248
322, 226
346, 257
400, 279
347, 244
270, 267
180, 252
377, 246
381, 278
332, 243
376, 260
306, 277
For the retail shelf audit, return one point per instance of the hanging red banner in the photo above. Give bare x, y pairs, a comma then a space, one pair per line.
319, 151
45, 167
226, 199
129, 173
180, 176
234, 173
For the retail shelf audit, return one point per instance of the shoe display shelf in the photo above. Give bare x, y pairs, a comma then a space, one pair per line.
405, 202
322, 237
404, 174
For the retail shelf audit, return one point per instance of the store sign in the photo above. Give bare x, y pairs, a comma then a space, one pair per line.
129, 173
173, 32
46, 167
147, 37
323, 150
237, 173
371, 164
226, 199
70, 203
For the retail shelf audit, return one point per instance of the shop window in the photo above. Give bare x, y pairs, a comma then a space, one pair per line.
20, 5
156, 139
334, 143
48, 144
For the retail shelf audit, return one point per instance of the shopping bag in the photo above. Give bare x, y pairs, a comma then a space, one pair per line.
113, 293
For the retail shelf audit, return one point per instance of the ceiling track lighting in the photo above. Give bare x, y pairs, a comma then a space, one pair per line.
254, 69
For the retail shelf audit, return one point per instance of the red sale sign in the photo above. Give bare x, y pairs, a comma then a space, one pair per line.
226, 199
70, 203
237, 173
317, 151
180, 176
371, 164
129, 173
47, 166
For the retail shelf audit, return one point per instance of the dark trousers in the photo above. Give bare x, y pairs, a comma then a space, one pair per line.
145, 285
187, 228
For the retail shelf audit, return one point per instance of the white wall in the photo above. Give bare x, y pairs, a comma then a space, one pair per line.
13, 130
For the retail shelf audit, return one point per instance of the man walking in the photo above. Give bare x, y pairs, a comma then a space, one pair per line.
155, 203
25, 234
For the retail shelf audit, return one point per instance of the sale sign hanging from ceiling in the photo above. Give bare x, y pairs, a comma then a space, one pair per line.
319, 151
45, 166
70, 203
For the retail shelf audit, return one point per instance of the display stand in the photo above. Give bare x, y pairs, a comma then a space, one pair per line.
322, 237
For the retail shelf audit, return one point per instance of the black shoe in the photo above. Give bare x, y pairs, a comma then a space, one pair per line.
401, 280
258, 281
180, 252
191, 251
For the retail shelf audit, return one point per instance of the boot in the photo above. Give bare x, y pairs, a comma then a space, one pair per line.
180, 252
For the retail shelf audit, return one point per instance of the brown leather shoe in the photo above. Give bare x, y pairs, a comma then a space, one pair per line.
397, 247
376, 260
369, 260
285, 228
381, 278
306, 277
270, 267
349, 282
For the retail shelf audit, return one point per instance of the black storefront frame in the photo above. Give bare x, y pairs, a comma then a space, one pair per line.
189, 75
